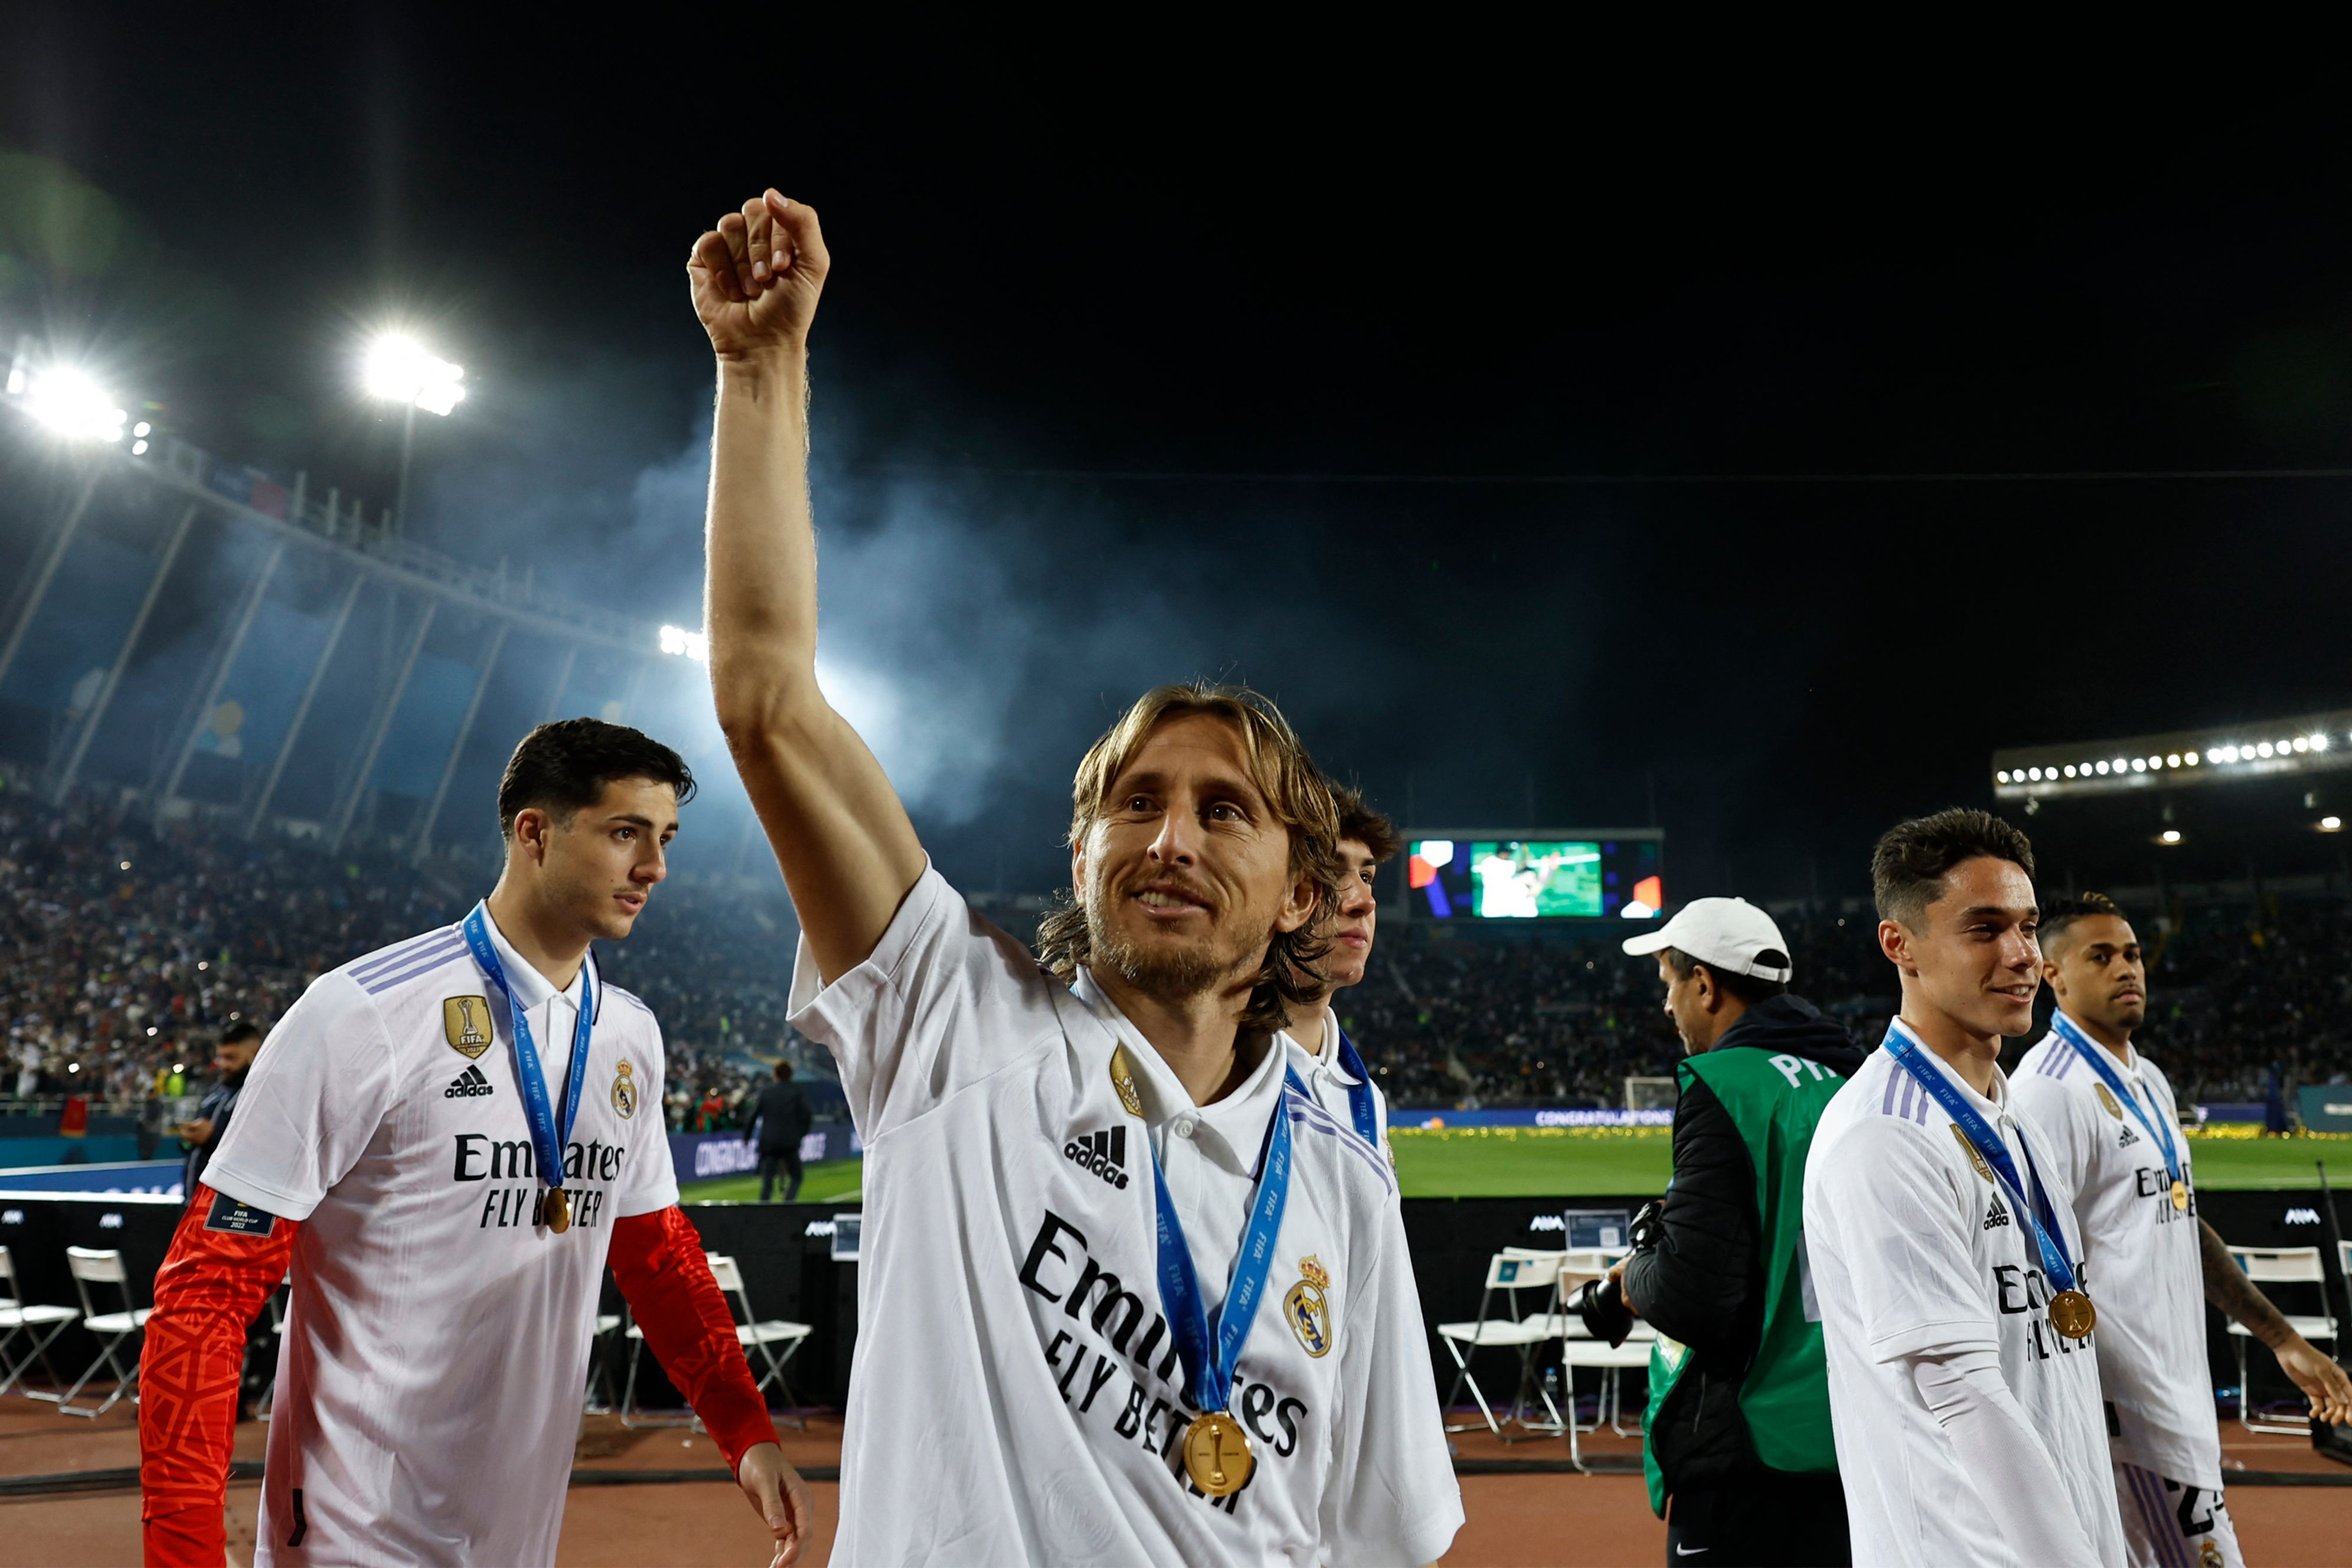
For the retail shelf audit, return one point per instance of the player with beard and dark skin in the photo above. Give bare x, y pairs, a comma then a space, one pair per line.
2113, 1126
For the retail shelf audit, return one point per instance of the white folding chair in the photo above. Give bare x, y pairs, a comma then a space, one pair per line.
592, 1405
2281, 1266
1512, 1271
18, 1318
750, 1331
763, 1334
1579, 1348
103, 1266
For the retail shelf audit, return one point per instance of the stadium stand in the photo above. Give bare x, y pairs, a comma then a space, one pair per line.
126, 946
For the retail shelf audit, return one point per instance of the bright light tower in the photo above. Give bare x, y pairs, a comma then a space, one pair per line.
399, 369
70, 403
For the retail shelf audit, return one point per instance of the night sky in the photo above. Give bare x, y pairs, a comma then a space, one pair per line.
1266, 357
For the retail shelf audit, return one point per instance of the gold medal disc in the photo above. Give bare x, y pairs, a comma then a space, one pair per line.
2072, 1314
2181, 1196
559, 1210
1217, 1454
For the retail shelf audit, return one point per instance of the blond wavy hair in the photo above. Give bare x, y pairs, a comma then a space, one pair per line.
1295, 790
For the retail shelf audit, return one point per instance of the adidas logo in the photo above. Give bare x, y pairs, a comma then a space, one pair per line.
1104, 1153
2127, 1139
468, 1084
1997, 1215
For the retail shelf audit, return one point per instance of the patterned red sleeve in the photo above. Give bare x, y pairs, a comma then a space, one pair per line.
224, 1260
657, 1261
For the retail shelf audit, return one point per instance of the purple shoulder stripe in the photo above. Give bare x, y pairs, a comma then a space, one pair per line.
1305, 1114
424, 966
391, 957
1895, 1080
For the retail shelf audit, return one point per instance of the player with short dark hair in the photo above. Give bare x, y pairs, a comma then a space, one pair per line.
1154, 1304
2113, 1129
1326, 1058
446, 1142
1963, 1385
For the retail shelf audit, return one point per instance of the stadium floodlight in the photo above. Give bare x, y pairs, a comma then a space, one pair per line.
2169, 836
685, 643
70, 403
2317, 742
2331, 824
397, 369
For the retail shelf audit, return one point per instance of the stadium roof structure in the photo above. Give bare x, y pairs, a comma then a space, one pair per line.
2264, 749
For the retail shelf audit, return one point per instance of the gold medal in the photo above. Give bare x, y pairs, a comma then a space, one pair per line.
2181, 1196
2072, 1314
1217, 1454
559, 1210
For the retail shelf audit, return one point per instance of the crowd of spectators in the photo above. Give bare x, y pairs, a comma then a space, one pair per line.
125, 948
2245, 997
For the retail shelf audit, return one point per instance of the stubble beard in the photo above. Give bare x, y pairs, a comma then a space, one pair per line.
1176, 975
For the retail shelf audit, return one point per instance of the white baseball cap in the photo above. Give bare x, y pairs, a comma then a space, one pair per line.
1722, 934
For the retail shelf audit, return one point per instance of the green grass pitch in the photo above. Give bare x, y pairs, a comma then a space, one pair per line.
1546, 1161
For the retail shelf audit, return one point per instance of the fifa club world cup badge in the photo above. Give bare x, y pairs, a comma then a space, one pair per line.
1308, 1308
1976, 1156
1122, 1079
625, 1094
2107, 1101
465, 1021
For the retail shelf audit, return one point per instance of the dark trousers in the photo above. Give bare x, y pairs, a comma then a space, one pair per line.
1772, 1520
770, 1160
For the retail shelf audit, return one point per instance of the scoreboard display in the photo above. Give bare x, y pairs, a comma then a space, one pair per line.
1548, 875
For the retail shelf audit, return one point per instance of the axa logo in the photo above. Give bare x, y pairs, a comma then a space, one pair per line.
1997, 1215
1103, 1153
2303, 1216
468, 1084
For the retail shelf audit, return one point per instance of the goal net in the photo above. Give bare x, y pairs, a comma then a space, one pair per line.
1649, 1094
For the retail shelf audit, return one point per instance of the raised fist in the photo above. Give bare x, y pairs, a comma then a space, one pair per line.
756, 277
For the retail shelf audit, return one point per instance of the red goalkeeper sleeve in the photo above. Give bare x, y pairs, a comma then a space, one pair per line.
657, 1261
225, 1259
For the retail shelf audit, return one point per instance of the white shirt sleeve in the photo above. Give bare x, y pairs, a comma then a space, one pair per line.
2055, 1119
321, 1088
944, 1000
1903, 1230
1391, 1497
2016, 1479
650, 1184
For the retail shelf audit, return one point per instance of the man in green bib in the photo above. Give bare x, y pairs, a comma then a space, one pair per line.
1738, 1453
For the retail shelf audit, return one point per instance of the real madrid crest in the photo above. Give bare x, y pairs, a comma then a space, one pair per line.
465, 1021
625, 1092
1122, 1079
1308, 1308
2107, 1101
1976, 1156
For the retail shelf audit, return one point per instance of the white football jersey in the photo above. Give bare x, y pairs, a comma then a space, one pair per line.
1015, 1394
2145, 1268
1331, 1084
1916, 1249
429, 1378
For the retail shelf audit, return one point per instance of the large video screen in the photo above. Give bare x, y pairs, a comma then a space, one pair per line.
1500, 878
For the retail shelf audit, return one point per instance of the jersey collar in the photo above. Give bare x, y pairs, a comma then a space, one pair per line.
1995, 1108
530, 987
1232, 1130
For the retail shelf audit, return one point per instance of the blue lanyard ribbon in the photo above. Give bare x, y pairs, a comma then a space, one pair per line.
547, 1143
2036, 1210
1209, 1344
2090, 1052
1359, 1093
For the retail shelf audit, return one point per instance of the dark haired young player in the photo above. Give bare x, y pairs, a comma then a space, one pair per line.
448, 1188
1964, 1391
1152, 1303
1326, 1058
2113, 1132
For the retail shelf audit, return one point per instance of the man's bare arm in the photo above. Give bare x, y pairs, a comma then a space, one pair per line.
848, 853
2226, 1286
